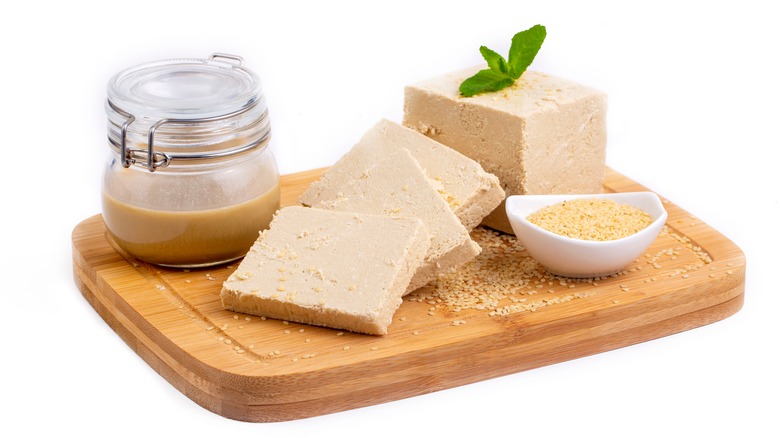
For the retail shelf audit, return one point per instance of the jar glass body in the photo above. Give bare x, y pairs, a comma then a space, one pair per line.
214, 185
194, 215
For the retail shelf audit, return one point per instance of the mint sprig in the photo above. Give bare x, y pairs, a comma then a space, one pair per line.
504, 72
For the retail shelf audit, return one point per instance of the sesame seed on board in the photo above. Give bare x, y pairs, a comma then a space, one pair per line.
504, 279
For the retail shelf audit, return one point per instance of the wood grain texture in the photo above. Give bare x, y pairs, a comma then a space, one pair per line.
250, 369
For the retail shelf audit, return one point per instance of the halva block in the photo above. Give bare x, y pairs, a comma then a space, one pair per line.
329, 268
397, 186
542, 135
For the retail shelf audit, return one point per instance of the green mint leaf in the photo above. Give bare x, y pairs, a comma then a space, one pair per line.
496, 62
525, 46
484, 81
504, 72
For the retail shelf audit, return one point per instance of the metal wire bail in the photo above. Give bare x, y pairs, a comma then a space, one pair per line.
155, 160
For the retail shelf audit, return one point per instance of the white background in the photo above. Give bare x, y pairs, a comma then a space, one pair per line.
693, 91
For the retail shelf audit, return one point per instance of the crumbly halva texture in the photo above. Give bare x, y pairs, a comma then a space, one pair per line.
396, 186
542, 135
323, 268
470, 192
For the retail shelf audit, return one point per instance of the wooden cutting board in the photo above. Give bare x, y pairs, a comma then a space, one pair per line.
252, 369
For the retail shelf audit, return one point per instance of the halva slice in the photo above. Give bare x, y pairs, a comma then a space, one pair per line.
329, 268
470, 192
542, 135
396, 186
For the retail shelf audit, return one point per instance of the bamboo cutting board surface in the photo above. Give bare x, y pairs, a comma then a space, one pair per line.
262, 370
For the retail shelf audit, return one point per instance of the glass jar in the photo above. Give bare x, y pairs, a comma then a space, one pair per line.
191, 179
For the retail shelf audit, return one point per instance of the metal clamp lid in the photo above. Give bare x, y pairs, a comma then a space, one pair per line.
155, 159
236, 58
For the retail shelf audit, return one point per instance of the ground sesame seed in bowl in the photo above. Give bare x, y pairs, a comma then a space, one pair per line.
595, 219
586, 235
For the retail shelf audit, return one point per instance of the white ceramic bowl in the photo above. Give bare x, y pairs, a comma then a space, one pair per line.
578, 258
